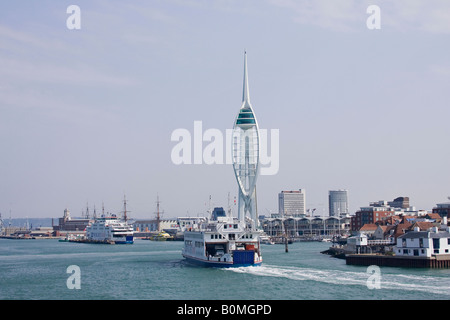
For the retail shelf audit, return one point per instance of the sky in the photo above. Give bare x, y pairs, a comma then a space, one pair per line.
87, 115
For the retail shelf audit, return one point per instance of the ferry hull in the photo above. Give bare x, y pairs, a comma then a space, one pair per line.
125, 242
214, 264
221, 264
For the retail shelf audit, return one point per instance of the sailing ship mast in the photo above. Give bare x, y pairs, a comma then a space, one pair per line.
125, 217
158, 218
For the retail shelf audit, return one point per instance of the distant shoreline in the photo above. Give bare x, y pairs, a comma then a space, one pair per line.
32, 222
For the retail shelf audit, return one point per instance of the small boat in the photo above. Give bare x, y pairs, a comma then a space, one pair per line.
265, 239
161, 236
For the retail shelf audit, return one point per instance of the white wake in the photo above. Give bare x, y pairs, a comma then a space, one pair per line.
429, 284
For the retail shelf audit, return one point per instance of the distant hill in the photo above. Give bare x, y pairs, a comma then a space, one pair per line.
32, 222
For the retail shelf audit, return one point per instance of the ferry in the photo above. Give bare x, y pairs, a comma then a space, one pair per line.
110, 229
222, 241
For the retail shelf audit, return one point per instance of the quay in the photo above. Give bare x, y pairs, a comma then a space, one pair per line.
90, 241
441, 261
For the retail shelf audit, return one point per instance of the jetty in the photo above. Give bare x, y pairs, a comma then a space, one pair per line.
92, 241
440, 261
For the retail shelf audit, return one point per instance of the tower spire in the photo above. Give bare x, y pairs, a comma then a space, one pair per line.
245, 93
245, 151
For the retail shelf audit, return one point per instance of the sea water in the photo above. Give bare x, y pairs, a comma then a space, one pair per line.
39, 269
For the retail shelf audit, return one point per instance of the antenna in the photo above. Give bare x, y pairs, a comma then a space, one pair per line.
209, 204
229, 205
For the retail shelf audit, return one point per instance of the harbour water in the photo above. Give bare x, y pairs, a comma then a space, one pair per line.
37, 269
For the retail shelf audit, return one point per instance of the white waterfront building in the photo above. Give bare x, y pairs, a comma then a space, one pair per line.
423, 243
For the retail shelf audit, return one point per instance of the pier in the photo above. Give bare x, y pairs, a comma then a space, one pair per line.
398, 261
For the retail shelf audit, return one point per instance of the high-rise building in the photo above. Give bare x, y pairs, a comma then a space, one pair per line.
337, 202
292, 203
245, 154
400, 202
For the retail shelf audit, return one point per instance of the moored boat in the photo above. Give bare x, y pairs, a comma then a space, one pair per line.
109, 229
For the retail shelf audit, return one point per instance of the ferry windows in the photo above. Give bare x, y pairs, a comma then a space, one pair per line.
231, 236
235, 226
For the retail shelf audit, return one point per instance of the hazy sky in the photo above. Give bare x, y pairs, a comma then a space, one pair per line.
86, 115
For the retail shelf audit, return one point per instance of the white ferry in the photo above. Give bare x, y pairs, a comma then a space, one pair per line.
110, 229
222, 241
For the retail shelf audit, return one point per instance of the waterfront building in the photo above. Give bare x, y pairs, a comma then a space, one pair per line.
368, 215
368, 229
379, 211
152, 225
443, 209
383, 232
292, 203
424, 243
67, 223
245, 155
186, 223
337, 202
306, 227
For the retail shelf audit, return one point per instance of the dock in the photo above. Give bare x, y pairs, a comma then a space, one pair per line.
92, 241
441, 261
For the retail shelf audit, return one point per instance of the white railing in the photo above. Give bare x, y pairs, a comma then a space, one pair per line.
380, 242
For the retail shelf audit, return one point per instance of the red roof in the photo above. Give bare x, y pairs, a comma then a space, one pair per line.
369, 227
